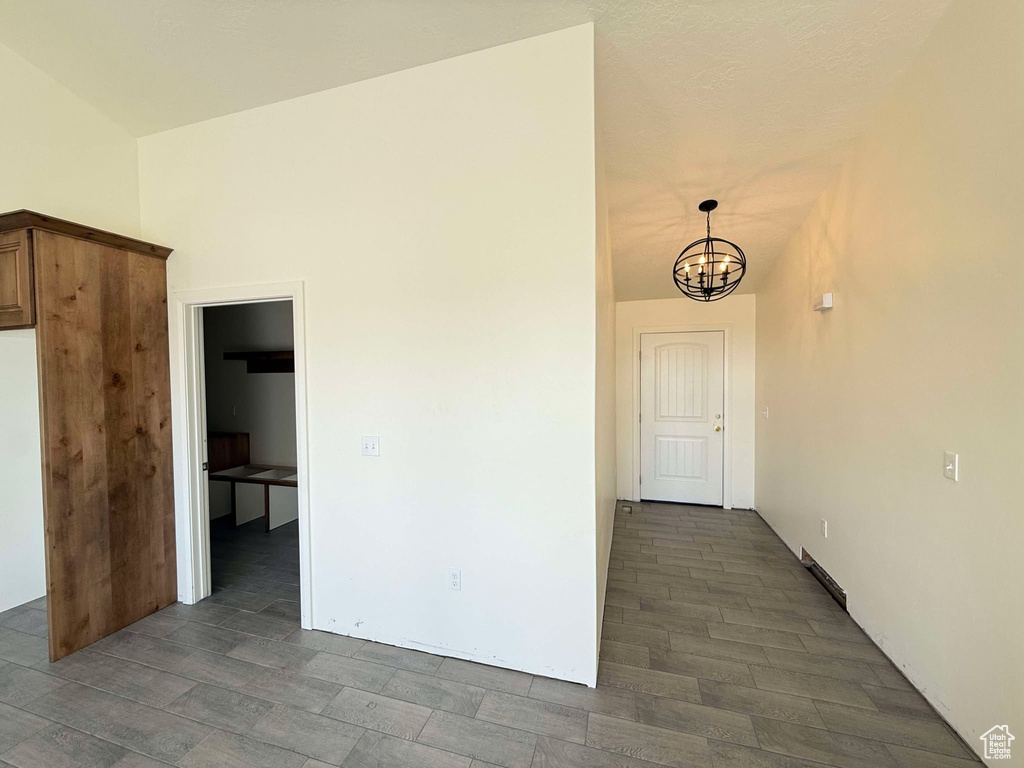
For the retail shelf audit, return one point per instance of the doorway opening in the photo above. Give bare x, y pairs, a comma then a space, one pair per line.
242, 506
252, 472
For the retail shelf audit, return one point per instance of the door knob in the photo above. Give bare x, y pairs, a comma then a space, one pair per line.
718, 427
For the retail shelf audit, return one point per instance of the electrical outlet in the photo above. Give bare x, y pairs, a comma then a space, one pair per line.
824, 528
455, 579
371, 445
951, 466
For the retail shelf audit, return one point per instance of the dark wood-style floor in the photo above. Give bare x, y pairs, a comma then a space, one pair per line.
719, 651
246, 559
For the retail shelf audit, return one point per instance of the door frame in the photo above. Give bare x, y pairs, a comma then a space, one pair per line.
191, 510
726, 329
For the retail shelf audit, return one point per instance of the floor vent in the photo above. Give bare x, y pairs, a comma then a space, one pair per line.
823, 577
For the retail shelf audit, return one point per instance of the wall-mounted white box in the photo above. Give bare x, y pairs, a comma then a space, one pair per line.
823, 302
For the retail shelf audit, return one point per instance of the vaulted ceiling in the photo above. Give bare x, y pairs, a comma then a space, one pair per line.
754, 102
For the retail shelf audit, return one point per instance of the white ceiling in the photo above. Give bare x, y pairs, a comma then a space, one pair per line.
754, 102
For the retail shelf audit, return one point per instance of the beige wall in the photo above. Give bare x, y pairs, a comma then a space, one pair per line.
604, 421
736, 313
920, 238
59, 156
443, 221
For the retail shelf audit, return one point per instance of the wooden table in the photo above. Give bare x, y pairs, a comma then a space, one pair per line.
257, 474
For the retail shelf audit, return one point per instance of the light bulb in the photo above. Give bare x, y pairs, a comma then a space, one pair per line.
725, 267
701, 259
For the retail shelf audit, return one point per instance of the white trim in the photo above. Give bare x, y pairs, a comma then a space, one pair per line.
193, 532
638, 331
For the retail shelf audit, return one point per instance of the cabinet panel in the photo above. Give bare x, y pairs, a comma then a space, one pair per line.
17, 307
106, 437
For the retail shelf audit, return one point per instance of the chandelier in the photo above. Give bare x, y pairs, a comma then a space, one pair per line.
710, 268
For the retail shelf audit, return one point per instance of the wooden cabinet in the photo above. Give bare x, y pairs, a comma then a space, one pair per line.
104, 394
17, 306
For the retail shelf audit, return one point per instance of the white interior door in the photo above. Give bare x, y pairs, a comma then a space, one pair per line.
682, 416
204, 444
195, 364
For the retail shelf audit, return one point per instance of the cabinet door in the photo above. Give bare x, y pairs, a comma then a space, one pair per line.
101, 338
17, 307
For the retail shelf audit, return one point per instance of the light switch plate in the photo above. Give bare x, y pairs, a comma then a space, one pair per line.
951, 466
371, 445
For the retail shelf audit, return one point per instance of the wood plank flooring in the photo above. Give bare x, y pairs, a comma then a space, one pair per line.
719, 651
